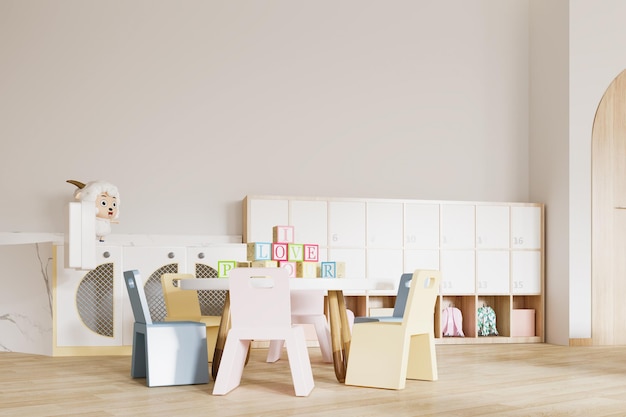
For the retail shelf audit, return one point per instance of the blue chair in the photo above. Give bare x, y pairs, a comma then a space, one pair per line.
165, 353
398, 308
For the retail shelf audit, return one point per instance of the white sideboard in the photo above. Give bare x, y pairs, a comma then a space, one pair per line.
93, 313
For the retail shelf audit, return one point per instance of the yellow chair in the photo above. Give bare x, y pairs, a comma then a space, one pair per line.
385, 354
184, 305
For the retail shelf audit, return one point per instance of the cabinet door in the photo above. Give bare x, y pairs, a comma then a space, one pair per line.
262, 216
384, 265
384, 225
458, 272
492, 272
457, 226
310, 221
354, 260
89, 303
346, 224
492, 227
420, 259
526, 227
421, 226
526, 272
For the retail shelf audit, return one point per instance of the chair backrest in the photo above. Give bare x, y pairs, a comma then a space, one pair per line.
420, 307
137, 296
179, 303
259, 297
403, 293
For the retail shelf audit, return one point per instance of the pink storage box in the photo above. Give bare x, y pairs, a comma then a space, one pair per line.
522, 323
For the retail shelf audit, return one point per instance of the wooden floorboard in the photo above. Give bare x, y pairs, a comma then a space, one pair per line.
485, 380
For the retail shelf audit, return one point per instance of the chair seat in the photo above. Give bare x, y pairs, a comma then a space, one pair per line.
389, 319
399, 306
207, 320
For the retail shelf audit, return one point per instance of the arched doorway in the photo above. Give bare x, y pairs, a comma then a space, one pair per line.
608, 211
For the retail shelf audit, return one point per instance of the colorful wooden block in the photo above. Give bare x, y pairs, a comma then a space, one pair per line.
283, 234
311, 252
223, 267
259, 251
264, 264
332, 269
244, 264
290, 267
279, 251
328, 269
306, 269
296, 252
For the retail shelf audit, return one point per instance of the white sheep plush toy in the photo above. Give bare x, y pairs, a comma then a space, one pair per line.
106, 199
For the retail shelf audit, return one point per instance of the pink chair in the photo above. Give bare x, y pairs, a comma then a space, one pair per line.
260, 309
307, 307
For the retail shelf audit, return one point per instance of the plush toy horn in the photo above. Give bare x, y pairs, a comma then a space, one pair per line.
76, 183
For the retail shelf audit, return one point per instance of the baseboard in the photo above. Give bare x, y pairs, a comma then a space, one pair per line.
91, 350
581, 342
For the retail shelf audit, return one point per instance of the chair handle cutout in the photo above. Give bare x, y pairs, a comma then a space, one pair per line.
261, 281
429, 282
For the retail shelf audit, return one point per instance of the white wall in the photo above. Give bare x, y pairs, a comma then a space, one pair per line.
549, 157
188, 106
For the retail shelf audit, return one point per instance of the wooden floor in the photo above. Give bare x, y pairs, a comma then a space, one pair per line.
474, 380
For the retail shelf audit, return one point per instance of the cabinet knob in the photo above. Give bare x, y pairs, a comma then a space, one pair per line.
201, 255
106, 254
171, 255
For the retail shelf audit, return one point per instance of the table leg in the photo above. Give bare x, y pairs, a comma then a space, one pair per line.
221, 337
346, 334
337, 332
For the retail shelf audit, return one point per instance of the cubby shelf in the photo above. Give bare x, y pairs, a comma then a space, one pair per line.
490, 253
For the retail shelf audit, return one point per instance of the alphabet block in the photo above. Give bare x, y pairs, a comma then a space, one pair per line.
223, 267
311, 252
259, 251
306, 269
332, 270
283, 234
290, 267
279, 251
296, 252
